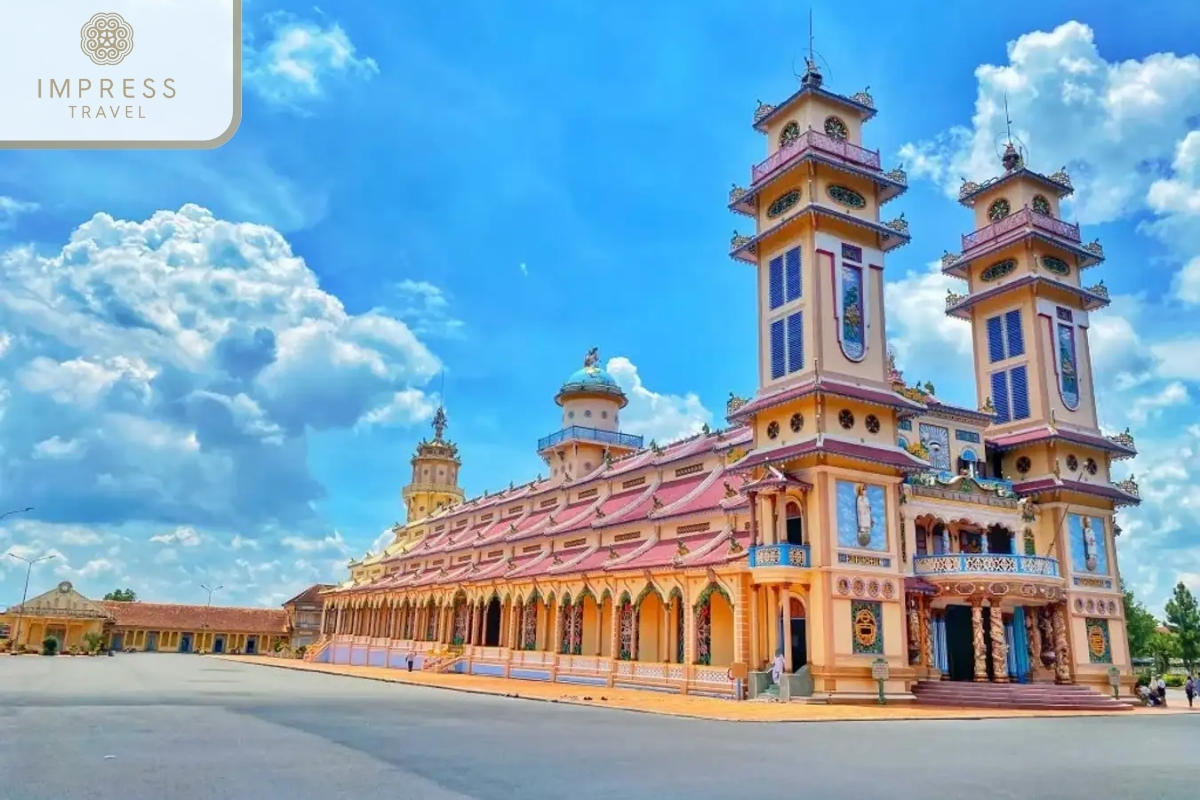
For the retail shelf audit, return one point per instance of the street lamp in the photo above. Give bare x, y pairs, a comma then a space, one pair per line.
210, 590
25, 594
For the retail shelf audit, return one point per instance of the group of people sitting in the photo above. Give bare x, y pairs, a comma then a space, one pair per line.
1155, 692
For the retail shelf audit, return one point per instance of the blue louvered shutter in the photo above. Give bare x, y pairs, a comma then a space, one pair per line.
995, 334
795, 342
1016, 337
1018, 379
792, 274
778, 351
775, 282
1000, 396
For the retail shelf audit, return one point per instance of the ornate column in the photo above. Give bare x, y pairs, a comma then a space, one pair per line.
927, 633
914, 651
1062, 647
773, 526
999, 645
785, 609
977, 639
755, 650
754, 533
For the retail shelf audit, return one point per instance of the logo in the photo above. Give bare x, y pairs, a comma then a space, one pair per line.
106, 39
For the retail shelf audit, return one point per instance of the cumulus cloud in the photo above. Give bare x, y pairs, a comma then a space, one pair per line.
10, 209
159, 383
300, 59
662, 417
426, 309
1125, 133
920, 338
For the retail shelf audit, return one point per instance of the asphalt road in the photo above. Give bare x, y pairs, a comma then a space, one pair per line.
172, 727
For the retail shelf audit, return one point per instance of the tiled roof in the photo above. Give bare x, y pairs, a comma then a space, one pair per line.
172, 617
310, 595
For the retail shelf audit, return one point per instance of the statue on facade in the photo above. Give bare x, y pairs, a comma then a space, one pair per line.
1091, 556
1062, 649
439, 423
866, 519
1033, 636
592, 360
978, 642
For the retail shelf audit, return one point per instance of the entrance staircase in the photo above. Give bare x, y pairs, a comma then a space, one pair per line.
1034, 696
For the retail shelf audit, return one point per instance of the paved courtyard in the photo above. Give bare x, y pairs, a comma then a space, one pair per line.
144, 726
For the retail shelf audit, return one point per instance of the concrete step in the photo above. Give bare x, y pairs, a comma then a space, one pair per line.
1016, 695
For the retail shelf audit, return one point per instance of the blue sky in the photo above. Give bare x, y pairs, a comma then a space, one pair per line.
428, 188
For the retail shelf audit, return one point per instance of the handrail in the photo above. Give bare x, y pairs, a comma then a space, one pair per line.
814, 140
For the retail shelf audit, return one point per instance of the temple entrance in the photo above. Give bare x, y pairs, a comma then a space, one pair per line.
960, 644
799, 634
491, 623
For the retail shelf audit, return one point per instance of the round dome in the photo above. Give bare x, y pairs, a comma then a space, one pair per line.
590, 376
591, 381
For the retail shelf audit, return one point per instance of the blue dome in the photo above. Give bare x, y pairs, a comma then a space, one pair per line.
589, 377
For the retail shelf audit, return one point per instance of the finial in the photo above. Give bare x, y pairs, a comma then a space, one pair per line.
592, 360
812, 75
1012, 157
439, 423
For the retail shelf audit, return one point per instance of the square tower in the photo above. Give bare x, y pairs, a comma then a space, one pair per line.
1030, 311
823, 470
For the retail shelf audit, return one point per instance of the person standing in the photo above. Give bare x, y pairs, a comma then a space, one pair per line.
777, 668
1189, 689
410, 662
1162, 689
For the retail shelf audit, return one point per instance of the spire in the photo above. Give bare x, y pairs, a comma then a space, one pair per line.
812, 74
439, 416
1012, 157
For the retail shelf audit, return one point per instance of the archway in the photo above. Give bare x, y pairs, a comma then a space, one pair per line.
591, 631
651, 627
1001, 540
798, 633
605, 617
491, 623
714, 627
794, 522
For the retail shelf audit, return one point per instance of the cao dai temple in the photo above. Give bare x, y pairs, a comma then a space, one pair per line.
856, 525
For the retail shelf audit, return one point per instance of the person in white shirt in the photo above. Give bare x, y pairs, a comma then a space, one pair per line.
1162, 690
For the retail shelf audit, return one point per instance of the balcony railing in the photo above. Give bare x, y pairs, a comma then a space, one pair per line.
816, 141
591, 435
1025, 218
985, 564
780, 555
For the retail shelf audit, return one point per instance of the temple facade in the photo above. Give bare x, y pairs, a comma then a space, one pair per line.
858, 527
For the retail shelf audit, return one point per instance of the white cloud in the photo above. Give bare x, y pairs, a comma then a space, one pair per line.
918, 330
300, 61
426, 309
182, 536
1112, 124
10, 209
159, 384
661, 417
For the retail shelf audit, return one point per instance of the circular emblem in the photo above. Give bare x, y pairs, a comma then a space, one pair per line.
873, 588
889, 589
1079, 604
865, 629
843, 586
106, 39
859, 586
783, 203
64, 587
1091, 605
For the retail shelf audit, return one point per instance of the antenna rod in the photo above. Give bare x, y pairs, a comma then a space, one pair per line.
1007, 119
810, 35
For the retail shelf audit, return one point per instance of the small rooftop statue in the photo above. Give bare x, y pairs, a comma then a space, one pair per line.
592, 360
439, 423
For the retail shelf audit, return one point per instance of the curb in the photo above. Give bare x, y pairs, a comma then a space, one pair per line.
673, 714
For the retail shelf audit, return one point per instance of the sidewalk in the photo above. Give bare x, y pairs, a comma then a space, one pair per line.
661, 703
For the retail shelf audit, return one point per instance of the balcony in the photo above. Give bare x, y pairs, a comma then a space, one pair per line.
580, 433
1026, 218
985, 565
780, 555
815, 140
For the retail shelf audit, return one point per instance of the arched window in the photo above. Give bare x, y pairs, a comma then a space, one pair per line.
968, 463
795, 523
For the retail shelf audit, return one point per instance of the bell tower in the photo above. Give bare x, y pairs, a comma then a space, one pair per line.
1030, 311
823, 469
435, 466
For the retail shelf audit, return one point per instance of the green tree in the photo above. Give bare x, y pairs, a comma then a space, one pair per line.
1183, 620
1140, 624
1164, 648
122, 595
